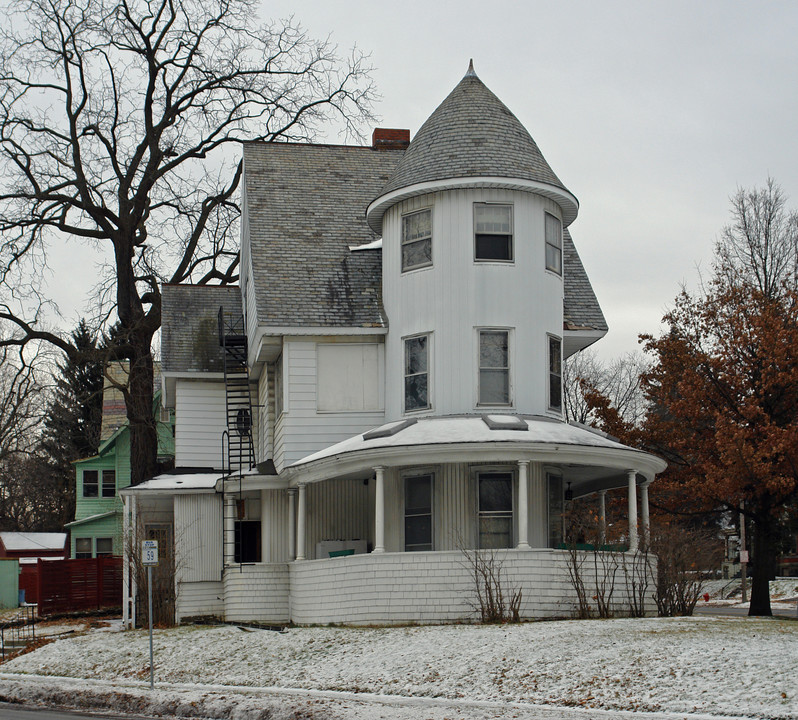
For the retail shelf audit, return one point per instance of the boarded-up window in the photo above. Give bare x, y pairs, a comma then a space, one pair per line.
348, 377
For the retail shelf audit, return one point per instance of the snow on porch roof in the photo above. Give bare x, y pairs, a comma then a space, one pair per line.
171, 482
33, 540
497, 430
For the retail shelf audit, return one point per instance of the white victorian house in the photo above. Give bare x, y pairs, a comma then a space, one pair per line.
385, 387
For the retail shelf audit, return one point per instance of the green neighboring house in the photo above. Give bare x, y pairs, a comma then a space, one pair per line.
97, 527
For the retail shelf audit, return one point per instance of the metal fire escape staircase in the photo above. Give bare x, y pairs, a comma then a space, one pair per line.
238, 449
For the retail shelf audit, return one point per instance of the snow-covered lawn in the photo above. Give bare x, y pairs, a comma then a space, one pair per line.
735, 667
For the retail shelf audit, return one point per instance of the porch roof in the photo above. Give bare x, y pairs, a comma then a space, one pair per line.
475, 438
170, 483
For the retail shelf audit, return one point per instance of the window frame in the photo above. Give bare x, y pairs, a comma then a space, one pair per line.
510, 259
480, 401
108, 489
416, 475
427, 372
559, 248
555, 522
82, 554
552, 374
403, 241
93, 483
97, 552
501, 514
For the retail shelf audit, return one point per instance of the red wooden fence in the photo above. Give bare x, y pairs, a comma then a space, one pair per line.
74, 585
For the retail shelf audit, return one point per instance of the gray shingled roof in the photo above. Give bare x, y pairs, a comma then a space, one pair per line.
189, 325
471, 134
306, 206
581, 310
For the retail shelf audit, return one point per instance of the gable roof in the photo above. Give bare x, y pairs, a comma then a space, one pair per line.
473, 134
305, 207
190, 325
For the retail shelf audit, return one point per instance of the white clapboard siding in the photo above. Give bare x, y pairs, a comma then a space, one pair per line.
200, 422
303, 429
274, 523
336, 510
457, 295
198, 532
199, 599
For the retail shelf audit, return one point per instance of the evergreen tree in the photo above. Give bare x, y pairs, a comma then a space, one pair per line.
74, 419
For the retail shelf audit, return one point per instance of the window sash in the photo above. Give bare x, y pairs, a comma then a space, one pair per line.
104, 546
83, 547
494, 367
416, 372
555, 509
418, 513
553, 244
109, 483
90, 483
555, 374
495, 497
416, 240
493, 232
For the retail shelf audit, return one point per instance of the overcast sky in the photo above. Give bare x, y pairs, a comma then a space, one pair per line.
651, 113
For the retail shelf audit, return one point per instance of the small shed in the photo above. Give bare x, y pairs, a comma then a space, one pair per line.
33, 545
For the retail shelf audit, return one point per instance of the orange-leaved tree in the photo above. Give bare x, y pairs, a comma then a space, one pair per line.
724, 408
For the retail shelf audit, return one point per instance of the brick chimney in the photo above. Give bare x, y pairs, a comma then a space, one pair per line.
389, 139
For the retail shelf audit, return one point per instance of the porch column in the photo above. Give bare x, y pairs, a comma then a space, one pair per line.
230, 514
291, 524
523, 505
379, 510
644, 512
632, 475
127, 542
265, 545
603, 516
300, 522
134, 590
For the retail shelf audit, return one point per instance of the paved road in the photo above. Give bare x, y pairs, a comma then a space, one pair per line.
21, 712
730, 610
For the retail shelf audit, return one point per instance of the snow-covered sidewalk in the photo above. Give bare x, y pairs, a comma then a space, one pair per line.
702, 666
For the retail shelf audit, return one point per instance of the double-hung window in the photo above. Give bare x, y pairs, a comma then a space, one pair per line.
90, 484
83, 547
553, 244
109, 483
495, 510
555, 374
494, 367
418, 512
493, 232
104, 547
417, 373
417, 240
555, 503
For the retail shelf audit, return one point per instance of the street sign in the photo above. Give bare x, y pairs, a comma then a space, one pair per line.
743, 556
149, 552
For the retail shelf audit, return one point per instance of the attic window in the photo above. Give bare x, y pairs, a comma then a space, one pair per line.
493, 232
417, 240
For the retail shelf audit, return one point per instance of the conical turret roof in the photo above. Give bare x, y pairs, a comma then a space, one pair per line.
472, 134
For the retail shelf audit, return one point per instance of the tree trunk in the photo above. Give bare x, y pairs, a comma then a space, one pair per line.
142, 422
764, 556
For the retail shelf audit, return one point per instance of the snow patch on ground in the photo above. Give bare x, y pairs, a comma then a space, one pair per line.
736, 667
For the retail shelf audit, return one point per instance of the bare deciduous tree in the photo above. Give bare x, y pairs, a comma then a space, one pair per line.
120, 122
759, 248
618, 381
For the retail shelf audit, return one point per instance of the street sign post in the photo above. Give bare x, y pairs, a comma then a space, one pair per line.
149, 558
